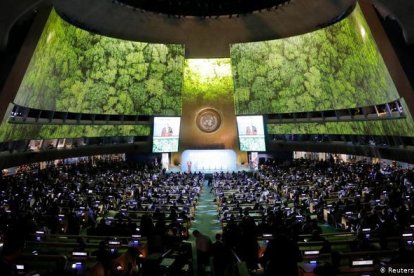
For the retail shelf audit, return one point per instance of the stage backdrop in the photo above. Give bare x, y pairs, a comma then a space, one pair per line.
208, 119
208, 160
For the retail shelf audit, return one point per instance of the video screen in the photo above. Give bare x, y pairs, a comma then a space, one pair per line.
207, 80
78, 71
335, 67
251, 133
14, 132
400, 127
166, 134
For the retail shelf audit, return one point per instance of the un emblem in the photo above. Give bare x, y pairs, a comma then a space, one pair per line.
208, 120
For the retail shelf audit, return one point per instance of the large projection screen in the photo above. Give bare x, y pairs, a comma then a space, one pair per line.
78, 71
332, 68
251, 133
166, 134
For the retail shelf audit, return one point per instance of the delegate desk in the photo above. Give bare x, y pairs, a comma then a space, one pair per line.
307, 269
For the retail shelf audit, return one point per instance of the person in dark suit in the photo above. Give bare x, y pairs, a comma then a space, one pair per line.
203, 246
221, 256
281, 256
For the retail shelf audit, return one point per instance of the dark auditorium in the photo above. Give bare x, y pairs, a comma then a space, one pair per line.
206, 137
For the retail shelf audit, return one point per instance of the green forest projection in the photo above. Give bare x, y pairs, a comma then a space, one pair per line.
208, 89
382, 127
13, 132
77, 71
329, 69
207, 80
332, 68
397, 127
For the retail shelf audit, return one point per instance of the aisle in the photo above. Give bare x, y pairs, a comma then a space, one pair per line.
206, 219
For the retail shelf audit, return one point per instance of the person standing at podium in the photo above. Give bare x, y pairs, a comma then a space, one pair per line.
189, 166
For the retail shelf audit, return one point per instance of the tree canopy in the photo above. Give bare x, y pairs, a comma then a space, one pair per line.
77, 71
208, 80
332, 68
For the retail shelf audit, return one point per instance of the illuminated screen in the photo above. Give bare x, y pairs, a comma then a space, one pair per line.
208, 160
207, 80
332, 68
251, 133
365, 262
166, 134
78, 71
14, 132
399, 127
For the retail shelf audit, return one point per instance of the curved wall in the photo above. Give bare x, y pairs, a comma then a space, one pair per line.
203, 37
336, 67
332, 68
314, 98
78, 71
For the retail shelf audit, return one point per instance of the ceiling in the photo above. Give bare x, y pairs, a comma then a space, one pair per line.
203, 36
400, 10
204, 8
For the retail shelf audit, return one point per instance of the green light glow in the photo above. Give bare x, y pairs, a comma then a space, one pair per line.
78, 71
13, 132
207, 70
207, 79
332, 68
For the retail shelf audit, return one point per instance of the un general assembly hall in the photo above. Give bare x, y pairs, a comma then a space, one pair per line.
206, 138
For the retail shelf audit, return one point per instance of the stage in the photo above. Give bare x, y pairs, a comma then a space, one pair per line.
209, 161
239, 168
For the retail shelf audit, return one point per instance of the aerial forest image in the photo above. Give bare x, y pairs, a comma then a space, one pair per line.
14, 132
207, 80
77, 71
332, 68
397, 127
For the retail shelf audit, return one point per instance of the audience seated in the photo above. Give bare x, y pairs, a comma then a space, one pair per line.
367, 207
372, 202
100, 198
